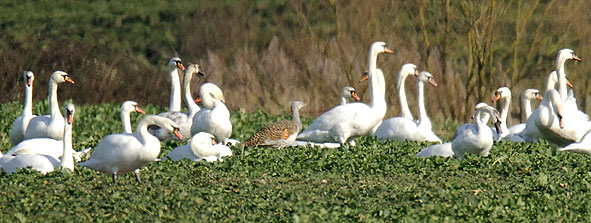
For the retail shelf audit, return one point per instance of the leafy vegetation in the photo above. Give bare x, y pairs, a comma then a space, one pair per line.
373, 181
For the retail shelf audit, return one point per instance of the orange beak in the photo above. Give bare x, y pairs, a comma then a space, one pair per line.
213, 142
539, 97
416, 73
386, 50
569, 84
576, 58
29, 82
180, 66
497, 97
364, 77
139, 110
198, 100
177, 133
68, 79
70, 119
432, 82
354, 95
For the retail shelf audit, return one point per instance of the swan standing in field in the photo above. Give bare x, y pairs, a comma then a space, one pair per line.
503, 94
401, 128
558, 118
348, 95
121, 153
281, 133
10, 163
174, 108
345, 122
526, 98
476, 138
19, 126
201, 146
50, 126
214, 118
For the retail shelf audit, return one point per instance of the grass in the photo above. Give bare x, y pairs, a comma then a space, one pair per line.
373, 181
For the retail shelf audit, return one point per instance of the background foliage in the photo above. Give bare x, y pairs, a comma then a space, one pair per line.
265, 53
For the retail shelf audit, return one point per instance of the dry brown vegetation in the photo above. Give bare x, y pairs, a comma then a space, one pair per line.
266, 53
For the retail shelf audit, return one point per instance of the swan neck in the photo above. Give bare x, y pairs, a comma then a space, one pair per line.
421, 102
344, 98
28, 108
67, 161
175, 91
404, 109
526, 106
505, 109
481, 120
187, 97
54, 105
142, 131
562, 89
126, 121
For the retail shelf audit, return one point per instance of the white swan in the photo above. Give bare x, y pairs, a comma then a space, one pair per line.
558, 118
19, 126
504, 94
348, 94
345, 122
126, 109
279, 134
50, 126
583, 146
121, 153
476, 138
526, 98
214, 118
201, 146
10, 163
401, 128
184, 120
442, 149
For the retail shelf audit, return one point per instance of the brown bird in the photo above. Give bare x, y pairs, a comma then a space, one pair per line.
279, 134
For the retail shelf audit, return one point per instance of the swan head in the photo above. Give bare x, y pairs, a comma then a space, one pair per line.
427, 77
567, 54
350, 93
487, 109
194, 69
408, 69
208, 93
175, 63
131, 106
70, 110
380, 47
502, 92
61, 77
201, 141
162, 122
297, 105
531, 94
29, 78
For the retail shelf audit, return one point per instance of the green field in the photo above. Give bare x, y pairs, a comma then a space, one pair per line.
373, 181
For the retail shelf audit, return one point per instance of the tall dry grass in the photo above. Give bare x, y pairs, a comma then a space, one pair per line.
265, 54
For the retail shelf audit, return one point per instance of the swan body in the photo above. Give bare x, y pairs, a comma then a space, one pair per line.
19, 126
50, 126
345, 122
442, 149
401, 128
583, 146
117, 154
201, 146
348, 94
281, 133
526, 98
214, 118
44, 163
475, 138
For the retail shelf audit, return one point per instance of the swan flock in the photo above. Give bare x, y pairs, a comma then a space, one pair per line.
44, 143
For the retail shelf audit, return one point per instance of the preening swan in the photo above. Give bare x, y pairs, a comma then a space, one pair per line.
401, 128
10, 163
19, 126
184, 120
50, 126
348, 94
526, 98
281, 133
117, 154
476, 138
345, 122
503, 94
214, 118
201, 146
